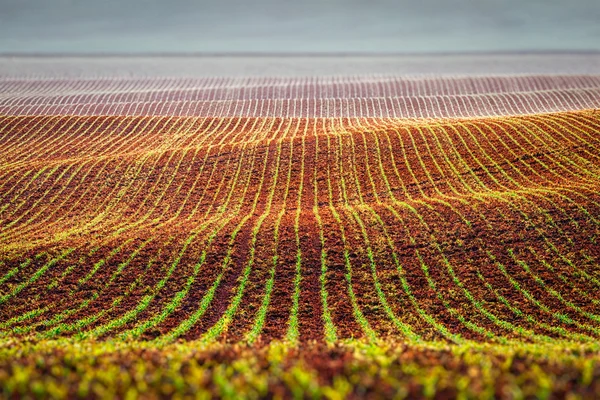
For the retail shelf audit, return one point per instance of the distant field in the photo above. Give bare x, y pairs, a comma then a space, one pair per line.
307, 237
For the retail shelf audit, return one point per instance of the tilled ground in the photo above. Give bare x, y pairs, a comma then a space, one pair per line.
437, 244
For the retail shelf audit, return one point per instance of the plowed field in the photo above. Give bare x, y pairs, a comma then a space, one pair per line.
384, 237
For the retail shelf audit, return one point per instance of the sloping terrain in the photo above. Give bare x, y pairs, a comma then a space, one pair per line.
412, 229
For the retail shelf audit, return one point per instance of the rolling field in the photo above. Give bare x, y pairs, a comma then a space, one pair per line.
283, 237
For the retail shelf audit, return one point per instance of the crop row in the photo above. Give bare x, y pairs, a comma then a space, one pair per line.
377, 96
59, 91
351, 370
249, 229
435, 106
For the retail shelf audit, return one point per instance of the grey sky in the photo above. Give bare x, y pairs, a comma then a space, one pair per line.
276, 26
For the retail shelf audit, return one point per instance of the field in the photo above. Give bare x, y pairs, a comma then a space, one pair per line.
279, 237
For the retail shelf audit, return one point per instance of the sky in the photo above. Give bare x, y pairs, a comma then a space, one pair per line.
281, 26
